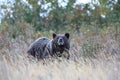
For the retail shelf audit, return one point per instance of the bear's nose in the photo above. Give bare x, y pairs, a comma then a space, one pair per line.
60, 40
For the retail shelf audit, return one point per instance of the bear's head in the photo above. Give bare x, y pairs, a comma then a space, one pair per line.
61, 42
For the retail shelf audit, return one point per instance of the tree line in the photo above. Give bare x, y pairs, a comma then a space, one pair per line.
50, 15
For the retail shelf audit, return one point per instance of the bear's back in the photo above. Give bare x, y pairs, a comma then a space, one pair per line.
38, 46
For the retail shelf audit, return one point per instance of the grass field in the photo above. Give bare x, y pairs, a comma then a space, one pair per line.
93, 57
18, 68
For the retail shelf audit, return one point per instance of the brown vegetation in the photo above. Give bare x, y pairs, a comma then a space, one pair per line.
93, 57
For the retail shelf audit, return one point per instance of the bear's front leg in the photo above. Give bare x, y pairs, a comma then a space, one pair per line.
67, 54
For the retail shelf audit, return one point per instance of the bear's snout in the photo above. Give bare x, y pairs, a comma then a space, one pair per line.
60, 41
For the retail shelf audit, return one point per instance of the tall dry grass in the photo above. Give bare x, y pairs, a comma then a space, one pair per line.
18, 68
93, 57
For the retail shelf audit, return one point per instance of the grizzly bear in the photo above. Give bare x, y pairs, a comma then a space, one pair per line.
44, 47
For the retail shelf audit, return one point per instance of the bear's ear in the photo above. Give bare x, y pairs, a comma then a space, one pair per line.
67, 35
54, 35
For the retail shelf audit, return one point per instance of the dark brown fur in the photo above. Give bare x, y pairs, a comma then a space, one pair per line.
44, 47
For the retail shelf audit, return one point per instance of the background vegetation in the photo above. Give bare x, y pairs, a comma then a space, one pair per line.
94, 30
